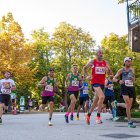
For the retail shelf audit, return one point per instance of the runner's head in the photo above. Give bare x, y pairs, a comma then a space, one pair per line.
75, 68
99, 54
127, 61
51, 72
7, 74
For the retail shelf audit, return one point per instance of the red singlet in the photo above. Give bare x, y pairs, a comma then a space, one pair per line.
98, 72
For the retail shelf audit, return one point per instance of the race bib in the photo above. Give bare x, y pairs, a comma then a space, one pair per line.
75, 83
49, 88
100, 70
85, 91
110, 86
6, 91
129, 83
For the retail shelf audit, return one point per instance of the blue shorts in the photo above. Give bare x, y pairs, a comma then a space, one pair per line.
97, 85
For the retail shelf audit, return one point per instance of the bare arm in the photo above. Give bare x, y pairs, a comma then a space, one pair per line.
67, 79
106, 81
117, 75
42, 83
88, 65
56, 89
108, 68
13, 86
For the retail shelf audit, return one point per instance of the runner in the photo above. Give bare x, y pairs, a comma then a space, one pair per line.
48, 83
127, 87
84, 98
73, 90
7, 86
109, 96
99, 68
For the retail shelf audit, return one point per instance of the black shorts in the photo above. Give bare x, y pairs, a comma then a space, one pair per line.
108, 98
5, 98
127, 91
83, 99
47, 98
75, 93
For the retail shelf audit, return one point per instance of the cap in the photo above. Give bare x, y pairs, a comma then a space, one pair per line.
127, 58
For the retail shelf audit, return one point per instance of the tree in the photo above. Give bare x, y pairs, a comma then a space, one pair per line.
14, 51
41, 58
71, 46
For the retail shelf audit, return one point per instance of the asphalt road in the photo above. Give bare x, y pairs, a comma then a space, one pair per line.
35, 127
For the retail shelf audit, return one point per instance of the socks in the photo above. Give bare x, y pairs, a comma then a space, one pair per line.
98, 114
89, 114
67, 114
71, 113
50, 119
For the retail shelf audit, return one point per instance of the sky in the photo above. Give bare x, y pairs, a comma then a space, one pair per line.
98, 17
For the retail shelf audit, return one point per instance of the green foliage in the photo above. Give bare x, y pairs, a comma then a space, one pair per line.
29, 60
14, 52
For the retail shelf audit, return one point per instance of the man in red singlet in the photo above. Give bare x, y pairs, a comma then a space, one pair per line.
99, 68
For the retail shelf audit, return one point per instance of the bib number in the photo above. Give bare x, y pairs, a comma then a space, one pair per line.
110, 86
100, 70
6, 91
75, 83
129, 83
49, 88
85, 91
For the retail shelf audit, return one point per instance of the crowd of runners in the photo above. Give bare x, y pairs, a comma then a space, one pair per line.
77, 86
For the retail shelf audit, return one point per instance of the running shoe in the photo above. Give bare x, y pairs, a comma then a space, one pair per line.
6, 111
0, 121
116, 118
87, 119
98, 120
14, 112
71, 117
66, 119
131, 125
77, 118
50, 124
